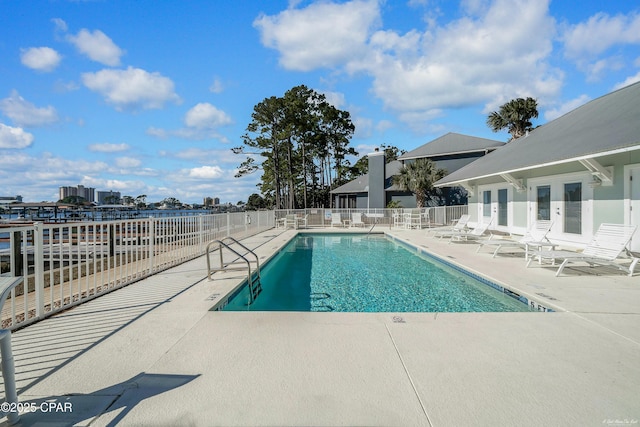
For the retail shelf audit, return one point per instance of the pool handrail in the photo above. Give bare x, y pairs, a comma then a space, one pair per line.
254, 290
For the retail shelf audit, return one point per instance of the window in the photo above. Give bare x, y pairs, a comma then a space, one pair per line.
502, 207
486, 203
573, 208
544, 203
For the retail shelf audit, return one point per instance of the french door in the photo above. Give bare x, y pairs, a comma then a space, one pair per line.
567, 201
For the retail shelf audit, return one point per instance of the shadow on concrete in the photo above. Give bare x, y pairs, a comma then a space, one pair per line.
83, 409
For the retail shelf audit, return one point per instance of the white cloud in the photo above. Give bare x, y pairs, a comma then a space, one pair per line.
206, 116
201, 122
321, 35
60, 25
128, 162
216, 86
63, 87
61, 167
334, 98
587, 42
40, 58
595, 70
108, 147
24, 113
629, 80
486, 59
125, 187
566, 107
600, 33
132, 89
364, 127
484, 56
201, 155
206, 172
11, 137
97, 46
157, 132
384, 125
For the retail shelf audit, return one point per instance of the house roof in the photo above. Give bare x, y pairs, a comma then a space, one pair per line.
361, 183
452, 143
606, 125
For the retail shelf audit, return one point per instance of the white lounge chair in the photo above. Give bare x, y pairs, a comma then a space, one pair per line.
459, 226
356, 220
604, 249
477, 233
336, 220
535, 236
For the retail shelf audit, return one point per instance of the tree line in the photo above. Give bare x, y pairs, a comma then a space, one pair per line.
303, 141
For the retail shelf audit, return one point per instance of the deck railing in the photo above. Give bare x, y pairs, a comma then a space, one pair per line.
428, 217
66, 264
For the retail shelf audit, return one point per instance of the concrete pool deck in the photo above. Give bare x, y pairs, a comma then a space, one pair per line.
153, 353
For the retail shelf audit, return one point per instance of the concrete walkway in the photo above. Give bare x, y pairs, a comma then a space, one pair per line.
154, 354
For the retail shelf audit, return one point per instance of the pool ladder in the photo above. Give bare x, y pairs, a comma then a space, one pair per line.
228, 243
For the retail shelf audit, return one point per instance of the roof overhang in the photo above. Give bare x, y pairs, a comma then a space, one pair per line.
450, 153
594, 167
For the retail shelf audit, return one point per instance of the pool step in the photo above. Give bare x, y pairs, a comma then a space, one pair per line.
255, 287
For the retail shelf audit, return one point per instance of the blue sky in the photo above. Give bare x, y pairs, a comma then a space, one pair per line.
148, 97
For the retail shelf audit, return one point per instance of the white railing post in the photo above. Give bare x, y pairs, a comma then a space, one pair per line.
200, 232
38, 273
152, 242
228, 224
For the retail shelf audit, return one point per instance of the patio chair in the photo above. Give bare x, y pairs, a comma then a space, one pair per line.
413, 219
301, 221
356, 220
477, 233
398, 218
290, 221
459, 226
336, 220
609, 242
535, 236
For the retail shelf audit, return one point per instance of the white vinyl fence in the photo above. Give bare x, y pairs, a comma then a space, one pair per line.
413, 218
66, 264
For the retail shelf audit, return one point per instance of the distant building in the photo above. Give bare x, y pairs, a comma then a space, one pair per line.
7, 200
108, 197
216, 201
87, 193
208, 202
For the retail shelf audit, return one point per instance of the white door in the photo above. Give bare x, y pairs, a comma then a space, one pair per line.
565, 200
632, 216
488, 208
495, 207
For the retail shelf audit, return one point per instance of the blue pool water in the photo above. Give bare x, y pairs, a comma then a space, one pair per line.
357, 273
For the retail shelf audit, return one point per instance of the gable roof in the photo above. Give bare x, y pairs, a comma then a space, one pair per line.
361, 183
606, 125
452, 143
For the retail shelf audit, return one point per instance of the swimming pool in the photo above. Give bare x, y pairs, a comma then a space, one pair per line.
367, 273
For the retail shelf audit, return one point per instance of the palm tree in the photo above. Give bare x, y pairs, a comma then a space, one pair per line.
418, 177
515, 116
